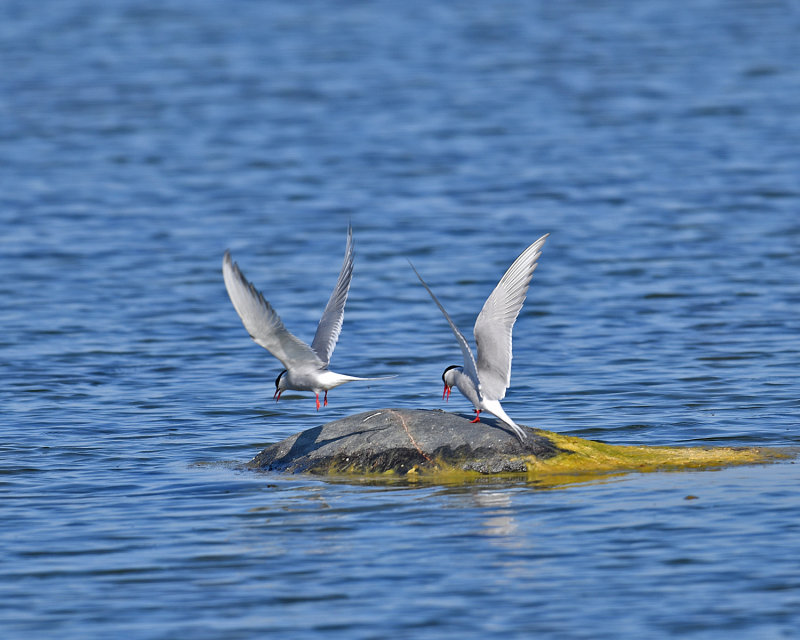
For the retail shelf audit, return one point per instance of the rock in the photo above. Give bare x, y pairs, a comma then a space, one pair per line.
443, 446
404, 440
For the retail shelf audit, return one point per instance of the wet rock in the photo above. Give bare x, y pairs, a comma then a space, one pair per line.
406, 441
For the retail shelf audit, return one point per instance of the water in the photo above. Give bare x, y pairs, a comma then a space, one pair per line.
139, 140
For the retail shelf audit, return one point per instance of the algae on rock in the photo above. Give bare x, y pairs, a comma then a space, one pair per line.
435, 444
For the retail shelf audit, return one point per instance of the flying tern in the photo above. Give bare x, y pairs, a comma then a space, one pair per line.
306, 367
484, 382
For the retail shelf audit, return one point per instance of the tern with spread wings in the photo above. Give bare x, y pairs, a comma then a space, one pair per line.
306, 367
484, 382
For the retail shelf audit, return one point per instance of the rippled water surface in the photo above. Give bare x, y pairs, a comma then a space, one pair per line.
139, 140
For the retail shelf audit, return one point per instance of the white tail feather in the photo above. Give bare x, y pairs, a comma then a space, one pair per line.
494, 407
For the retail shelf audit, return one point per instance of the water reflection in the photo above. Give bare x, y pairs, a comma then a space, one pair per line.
499, 522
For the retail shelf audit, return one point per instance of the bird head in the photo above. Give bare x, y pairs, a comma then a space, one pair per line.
449, 380
280, 385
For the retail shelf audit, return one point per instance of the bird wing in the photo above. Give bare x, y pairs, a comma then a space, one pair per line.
330, 325
469, 359
262, 321
496, 320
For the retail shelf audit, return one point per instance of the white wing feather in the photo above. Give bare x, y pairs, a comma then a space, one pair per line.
263, 323
496, 320
469, 359
330, 325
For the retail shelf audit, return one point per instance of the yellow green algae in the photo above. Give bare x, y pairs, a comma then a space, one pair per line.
593, 456
581, 460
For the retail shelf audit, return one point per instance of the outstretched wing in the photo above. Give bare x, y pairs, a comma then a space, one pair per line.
262, 322
469, 359
330, 325
496, 320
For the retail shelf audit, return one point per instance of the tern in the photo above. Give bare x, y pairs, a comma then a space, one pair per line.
484, 382
306, 367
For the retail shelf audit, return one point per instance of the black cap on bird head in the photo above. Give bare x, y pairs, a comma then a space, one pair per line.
444, 373
447, 387
278, 391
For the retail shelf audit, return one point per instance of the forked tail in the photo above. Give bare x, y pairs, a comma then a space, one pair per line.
331, 379
494, 407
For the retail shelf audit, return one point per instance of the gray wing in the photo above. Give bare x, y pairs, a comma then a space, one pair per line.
330, 325
496, 320
469, 359
262, 322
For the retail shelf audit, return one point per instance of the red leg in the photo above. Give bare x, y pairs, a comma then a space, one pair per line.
477, 416
326, 398
317, 395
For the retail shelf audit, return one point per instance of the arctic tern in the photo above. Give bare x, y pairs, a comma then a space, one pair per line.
306, 367
484, 382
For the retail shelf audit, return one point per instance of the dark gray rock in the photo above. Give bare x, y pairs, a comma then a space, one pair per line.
402, 440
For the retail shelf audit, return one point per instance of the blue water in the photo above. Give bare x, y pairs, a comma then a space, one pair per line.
658, 144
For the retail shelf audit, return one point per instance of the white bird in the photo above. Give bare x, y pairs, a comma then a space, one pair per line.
306, 368
484, 382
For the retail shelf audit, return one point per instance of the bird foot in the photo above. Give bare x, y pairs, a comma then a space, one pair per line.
477, 416
325, 404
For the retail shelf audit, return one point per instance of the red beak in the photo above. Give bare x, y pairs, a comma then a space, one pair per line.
277, 395
446, 393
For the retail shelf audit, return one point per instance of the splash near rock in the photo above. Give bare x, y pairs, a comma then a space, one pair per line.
438, 445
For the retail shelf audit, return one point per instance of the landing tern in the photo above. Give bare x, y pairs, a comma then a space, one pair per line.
305, 367
484, 382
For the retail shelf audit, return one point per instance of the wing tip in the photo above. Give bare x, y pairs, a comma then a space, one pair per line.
349, 251
349, 234
231, 267
411, 264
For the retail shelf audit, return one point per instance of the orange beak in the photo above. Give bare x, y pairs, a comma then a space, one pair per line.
446, 393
